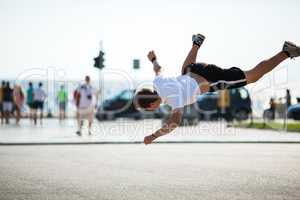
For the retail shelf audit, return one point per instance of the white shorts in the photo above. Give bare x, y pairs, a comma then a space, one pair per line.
7, 106
86, 113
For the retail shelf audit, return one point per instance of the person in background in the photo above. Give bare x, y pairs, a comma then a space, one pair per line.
18, 97
39, 96
62, 98
1, 101
288, 98
224, 103
7, 102
76, 99
84, 102
29, 100
272, 108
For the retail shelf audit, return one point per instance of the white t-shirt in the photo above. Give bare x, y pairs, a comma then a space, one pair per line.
177, 91
39, 94
87, 93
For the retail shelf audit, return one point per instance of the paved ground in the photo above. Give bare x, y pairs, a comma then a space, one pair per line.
134, 131
159, 171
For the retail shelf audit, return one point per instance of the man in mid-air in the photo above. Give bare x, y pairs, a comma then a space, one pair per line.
198, 78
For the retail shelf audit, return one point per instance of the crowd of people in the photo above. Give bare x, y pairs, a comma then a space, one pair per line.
13, 101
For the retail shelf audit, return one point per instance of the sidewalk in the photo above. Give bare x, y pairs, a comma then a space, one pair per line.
131, 131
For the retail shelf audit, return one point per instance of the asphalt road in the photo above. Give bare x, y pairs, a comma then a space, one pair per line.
158, 171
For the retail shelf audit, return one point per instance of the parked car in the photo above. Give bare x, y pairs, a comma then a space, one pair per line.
294, 112
239, 108
121, 106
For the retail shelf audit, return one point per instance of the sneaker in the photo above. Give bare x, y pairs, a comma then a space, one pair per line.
78, 133
90, 133
198, 39
291, 49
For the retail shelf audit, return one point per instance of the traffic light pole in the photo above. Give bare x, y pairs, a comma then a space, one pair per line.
100, 77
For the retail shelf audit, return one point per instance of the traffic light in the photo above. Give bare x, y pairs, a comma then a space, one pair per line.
99, 61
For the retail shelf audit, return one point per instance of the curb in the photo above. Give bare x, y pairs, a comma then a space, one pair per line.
140, 142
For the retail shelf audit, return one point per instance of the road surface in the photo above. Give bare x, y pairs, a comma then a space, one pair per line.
134, 131
158, 171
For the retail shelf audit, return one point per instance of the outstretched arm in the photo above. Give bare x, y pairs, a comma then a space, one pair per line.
153, 59
168, 127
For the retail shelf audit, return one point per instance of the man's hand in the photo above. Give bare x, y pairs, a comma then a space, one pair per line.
149, 139
151, 56
156, 66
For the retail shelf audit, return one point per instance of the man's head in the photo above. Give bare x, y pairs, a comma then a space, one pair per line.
147, 99
87, 79
30, 84
40, 84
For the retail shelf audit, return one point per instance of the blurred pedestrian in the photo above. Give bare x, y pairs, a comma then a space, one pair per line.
224, 104
7, 102
288, 98
1, 101
29, 100
272, 109
39, 96
18, 96
84, 97
62, 98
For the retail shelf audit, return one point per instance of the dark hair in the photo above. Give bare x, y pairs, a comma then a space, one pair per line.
30, 84
40, 84
144, 98
3, 83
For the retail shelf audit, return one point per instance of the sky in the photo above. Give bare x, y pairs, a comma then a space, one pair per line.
39, 37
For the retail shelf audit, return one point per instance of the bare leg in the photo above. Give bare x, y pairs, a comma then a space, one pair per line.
35, 116
2, 117
264, 67
90, 127
6, 116
191, 57
30, 114
79, 122
60, 115
41, 116
90, 119
18, 115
